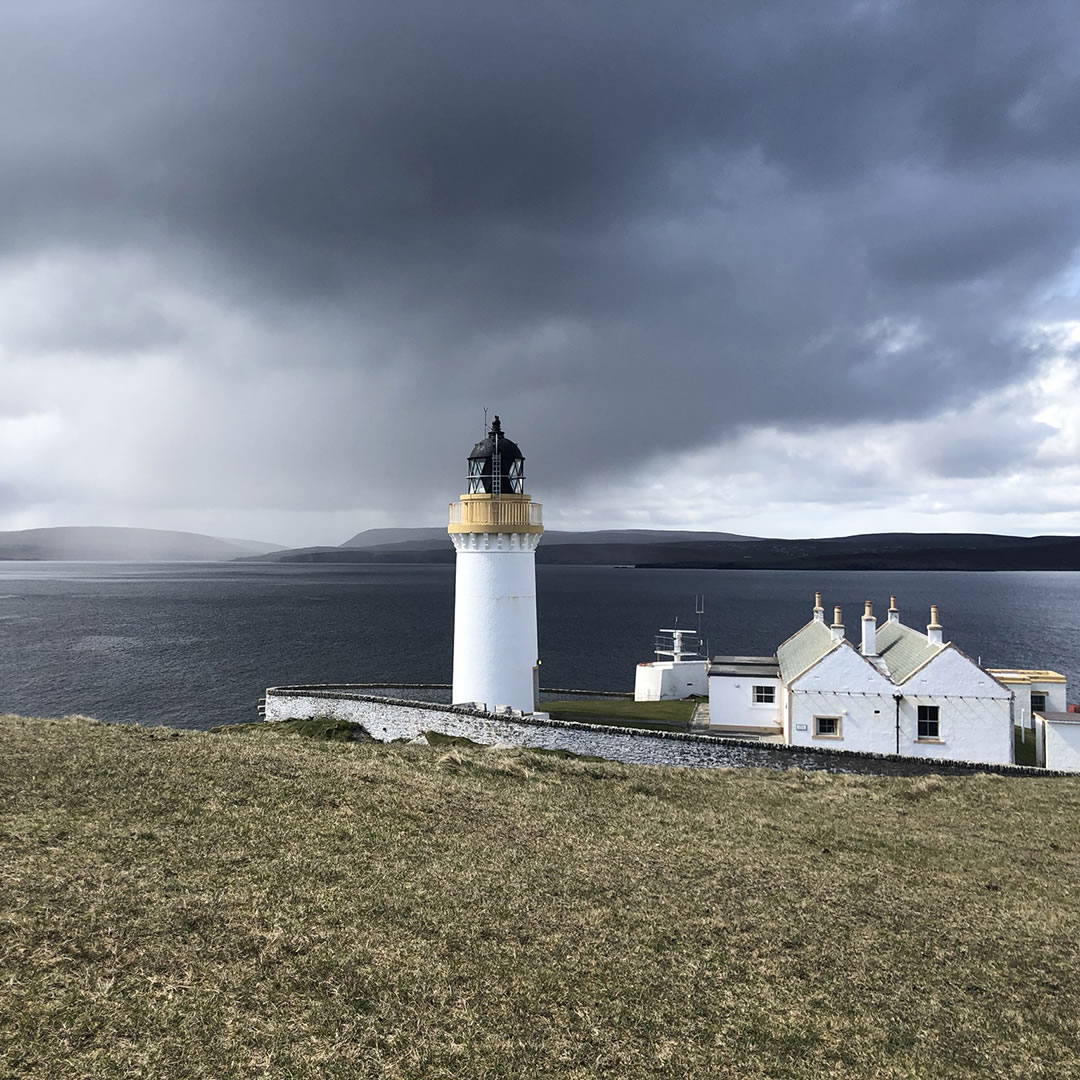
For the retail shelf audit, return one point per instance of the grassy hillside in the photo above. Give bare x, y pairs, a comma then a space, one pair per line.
255, 904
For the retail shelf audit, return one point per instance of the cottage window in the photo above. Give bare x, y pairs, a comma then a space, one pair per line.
1038, 702
929, 724
764, 695
827, 727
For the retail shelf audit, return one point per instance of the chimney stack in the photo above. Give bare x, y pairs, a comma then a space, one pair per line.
934, 631
869, 632
894, 611
837, 625
819, 611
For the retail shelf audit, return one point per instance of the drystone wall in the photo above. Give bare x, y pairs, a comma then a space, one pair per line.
389, 718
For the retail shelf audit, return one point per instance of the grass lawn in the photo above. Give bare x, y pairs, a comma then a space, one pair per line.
1024, 745
256, 904
622, 712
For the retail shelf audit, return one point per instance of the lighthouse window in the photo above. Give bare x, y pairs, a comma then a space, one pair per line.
516, 476
476, 473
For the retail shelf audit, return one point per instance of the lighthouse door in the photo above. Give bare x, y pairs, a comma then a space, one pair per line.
536, 687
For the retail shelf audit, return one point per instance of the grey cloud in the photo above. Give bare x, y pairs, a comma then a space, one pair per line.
983, 450
630, 227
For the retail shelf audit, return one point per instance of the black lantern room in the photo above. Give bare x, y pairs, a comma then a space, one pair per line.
496, 465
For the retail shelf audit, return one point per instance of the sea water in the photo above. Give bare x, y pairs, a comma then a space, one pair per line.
196, 644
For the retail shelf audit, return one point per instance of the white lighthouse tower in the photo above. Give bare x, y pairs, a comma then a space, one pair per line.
495, 528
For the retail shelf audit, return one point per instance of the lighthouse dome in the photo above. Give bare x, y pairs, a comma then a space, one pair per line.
496, 465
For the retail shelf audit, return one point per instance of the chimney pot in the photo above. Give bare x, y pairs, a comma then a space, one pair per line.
869, 632
819, 611
838, 624
894, 611
934, 630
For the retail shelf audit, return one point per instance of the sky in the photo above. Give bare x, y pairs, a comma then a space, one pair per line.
763, 266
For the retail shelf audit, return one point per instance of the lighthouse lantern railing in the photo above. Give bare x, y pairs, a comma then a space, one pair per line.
485, 513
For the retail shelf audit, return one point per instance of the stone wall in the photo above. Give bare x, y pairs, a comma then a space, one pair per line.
389, 718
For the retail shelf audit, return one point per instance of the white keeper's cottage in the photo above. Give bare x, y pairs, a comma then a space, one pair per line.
900, 691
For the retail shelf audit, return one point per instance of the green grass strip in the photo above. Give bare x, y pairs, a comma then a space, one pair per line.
652, 715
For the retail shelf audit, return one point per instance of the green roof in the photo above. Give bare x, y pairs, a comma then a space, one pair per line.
804, 649
903, 650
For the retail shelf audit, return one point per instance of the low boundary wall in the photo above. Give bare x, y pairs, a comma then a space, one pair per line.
390, 718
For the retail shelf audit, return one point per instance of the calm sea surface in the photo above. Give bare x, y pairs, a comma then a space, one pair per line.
196, 644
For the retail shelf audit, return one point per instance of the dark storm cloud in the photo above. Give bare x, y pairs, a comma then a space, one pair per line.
631, 226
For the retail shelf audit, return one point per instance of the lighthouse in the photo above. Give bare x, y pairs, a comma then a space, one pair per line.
495, 528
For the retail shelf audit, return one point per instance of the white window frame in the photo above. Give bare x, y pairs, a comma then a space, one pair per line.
756, 700
837, 733
919, 721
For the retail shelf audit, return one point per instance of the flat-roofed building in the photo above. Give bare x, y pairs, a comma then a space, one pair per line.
1058, 740
1034, 691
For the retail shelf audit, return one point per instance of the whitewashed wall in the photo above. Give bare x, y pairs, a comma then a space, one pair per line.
1023, 689
390, 719
972, 729
865, 705
1021, 713
495, 644
666, 680
1055, 695
975, 711
1063, 744
731, 702
383, 720
1055, 698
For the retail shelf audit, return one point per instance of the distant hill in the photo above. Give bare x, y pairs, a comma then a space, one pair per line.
93, 543
679, 550
384, 538
432, 545
879, 551
378, 537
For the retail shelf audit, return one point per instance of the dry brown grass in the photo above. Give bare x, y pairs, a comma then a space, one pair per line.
253, 904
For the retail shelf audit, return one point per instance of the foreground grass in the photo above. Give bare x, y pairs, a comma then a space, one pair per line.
254, 904
622, 712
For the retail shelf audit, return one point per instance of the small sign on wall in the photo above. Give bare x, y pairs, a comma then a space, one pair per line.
801, 727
